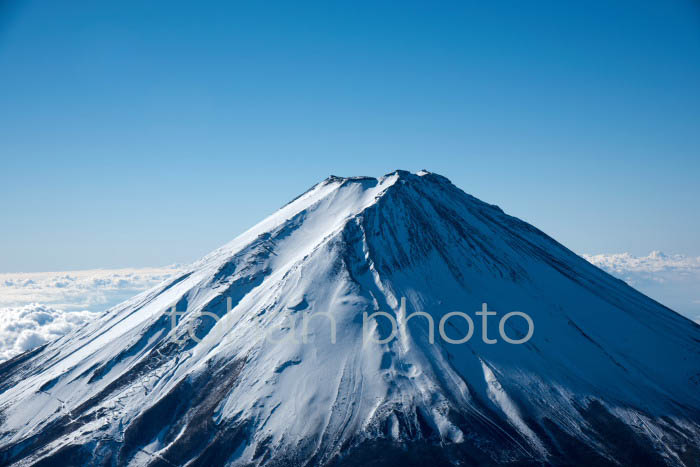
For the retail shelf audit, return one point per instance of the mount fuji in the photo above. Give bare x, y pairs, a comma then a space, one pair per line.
209, 368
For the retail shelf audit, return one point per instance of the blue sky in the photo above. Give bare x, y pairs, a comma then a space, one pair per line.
138, 133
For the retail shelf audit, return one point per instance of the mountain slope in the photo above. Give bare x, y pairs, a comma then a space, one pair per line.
609, 376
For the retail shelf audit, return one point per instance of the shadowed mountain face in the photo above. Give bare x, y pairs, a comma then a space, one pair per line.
267, 359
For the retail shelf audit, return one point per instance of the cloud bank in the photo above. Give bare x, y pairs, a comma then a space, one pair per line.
95, 290
38, 307
673, 280
29, 326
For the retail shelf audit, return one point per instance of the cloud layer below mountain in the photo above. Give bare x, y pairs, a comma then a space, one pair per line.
673, 280
38, 307
23, 328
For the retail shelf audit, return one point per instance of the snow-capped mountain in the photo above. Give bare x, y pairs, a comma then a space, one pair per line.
608, 376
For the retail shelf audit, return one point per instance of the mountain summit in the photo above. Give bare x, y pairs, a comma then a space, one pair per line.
261, 353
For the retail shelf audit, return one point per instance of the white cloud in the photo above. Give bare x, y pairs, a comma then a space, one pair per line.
95, 290
23, 328
38, 307
673, 280
655, 262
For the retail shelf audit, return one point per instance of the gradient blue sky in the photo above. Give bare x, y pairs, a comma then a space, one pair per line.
140, 133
